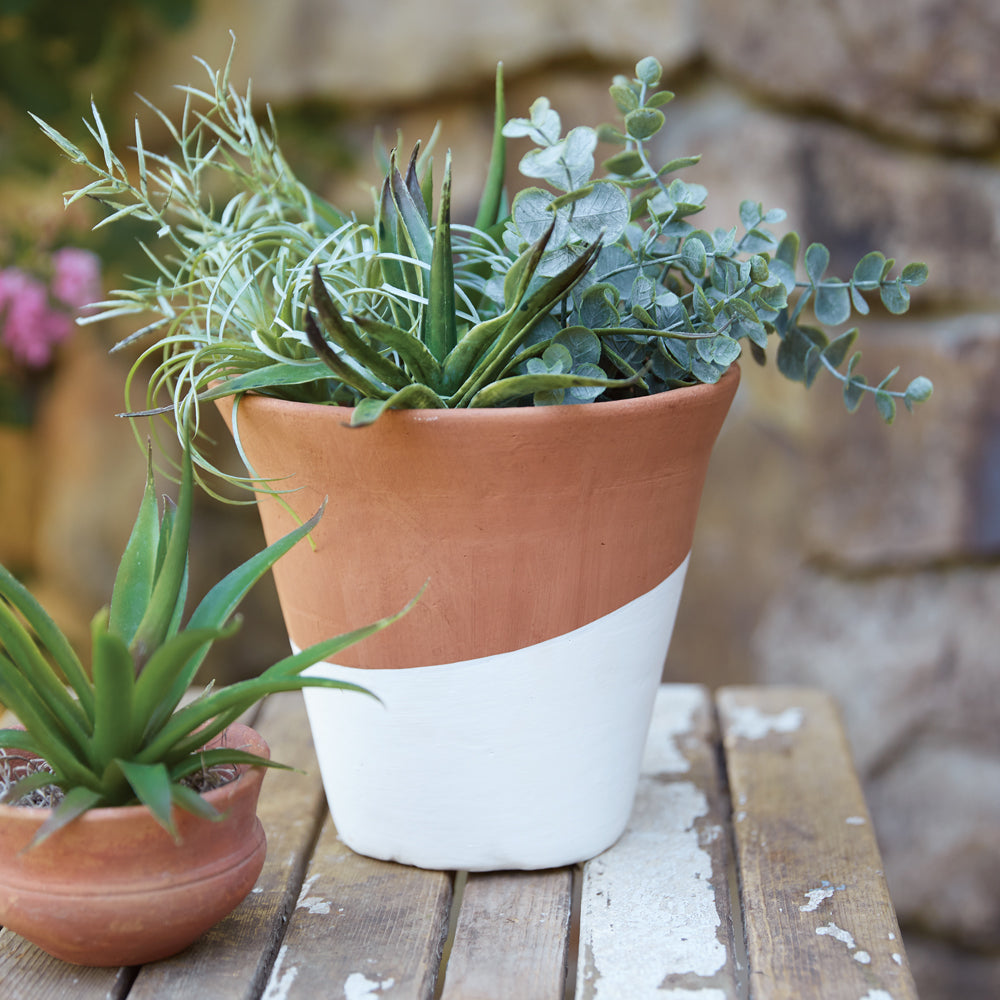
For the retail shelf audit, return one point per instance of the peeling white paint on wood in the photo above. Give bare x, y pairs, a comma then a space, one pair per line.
855, 821
358, 986
673, 717
648, 908
748, 722
815, 897
832, 930
876, 995
314, 904
684, 994
280, 981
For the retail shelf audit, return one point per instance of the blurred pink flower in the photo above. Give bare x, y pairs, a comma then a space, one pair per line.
29, 327
76, 277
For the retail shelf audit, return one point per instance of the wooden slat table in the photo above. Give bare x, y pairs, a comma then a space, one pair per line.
749, 870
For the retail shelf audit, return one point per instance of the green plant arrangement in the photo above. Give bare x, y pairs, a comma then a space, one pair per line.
122, 734
589, 287
586, 287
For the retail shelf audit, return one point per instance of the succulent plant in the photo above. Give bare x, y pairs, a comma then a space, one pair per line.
125, 733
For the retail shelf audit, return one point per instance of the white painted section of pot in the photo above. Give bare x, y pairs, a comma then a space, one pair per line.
522, 760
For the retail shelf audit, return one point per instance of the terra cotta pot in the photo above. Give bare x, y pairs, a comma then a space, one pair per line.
114, 888
515, 697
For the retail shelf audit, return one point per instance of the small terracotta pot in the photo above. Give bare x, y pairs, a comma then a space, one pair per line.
516, 695
114, 888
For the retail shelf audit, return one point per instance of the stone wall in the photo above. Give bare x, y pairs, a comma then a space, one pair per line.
831, 550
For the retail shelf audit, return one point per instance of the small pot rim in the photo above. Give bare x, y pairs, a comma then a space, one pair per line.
217, 796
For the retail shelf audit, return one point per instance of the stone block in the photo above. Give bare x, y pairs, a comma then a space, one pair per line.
369, 52
843, 188
937, 813
944, 972
923, 70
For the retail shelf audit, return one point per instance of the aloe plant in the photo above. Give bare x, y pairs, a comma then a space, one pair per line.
586, 287
123, 734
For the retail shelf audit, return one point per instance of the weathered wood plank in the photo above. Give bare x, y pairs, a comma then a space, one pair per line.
362, 927
512, 937
28, 973
816, 908
233, 960
655, 913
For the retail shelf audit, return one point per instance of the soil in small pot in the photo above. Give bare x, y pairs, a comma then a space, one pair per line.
114, 888
14, 766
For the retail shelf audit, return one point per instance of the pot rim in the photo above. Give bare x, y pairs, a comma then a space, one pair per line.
606, 409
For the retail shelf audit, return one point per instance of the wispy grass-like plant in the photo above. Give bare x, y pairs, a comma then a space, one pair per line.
122, 734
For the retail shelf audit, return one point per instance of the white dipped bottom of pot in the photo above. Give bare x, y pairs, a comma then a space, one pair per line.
523, 760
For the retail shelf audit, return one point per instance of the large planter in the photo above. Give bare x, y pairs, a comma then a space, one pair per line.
114, 888
515, 697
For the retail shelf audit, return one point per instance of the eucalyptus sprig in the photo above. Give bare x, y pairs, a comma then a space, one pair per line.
683, 300
122, 734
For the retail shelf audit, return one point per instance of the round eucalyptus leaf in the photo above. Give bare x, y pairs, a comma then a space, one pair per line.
532, 217
919, 390
545, 120
870, 270
610, 135
693, 257
584, 393
625, 163
786, 275
583, 345
759, 271
833, 304
604, 213
599, 306
625, 98
545, 163
895, 297
886, 406
643, 123
558, 359
817, 260
853, 392
914, 274
649, 71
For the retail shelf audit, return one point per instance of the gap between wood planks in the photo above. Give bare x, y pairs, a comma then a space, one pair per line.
737, 930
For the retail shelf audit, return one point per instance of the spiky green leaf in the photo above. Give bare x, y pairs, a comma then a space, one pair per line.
134, 580
152, 787
75, 803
